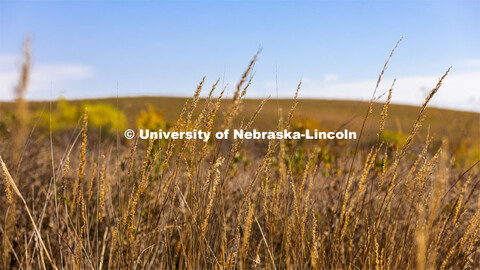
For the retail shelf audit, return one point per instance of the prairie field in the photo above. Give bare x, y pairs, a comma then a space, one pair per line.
78, 195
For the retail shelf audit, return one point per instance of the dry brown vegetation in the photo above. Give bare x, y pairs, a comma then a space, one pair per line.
79, 199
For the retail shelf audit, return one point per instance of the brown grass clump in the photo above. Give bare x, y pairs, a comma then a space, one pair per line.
12, 184
237, 204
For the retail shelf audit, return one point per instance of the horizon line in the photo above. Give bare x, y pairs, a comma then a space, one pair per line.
245, 98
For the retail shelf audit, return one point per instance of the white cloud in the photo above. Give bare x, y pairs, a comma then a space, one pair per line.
459, 90
6, 61
330, 78
42, 76
470, 63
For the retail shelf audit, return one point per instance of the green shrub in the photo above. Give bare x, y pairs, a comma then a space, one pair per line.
66, 116
105, 116
393, 139
151, 119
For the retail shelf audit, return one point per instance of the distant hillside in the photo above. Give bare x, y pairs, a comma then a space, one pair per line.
328, 114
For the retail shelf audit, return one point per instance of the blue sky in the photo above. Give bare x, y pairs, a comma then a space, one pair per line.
81, 49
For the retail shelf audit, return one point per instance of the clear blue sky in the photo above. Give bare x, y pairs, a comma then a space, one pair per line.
83, 48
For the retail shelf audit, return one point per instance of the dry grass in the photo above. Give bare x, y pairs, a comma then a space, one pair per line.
93, 203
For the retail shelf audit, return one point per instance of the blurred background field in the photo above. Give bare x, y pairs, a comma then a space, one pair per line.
461, 128
102, 201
